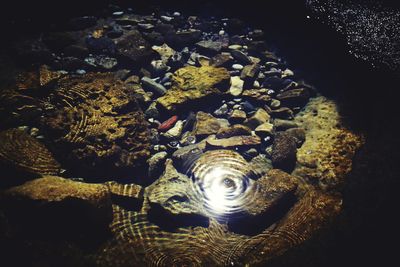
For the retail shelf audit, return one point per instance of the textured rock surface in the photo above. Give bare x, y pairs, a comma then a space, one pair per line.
192, 83
53, 202
96, 118
318, 159
234, 130
134, 48
234, 141
207, 124
23, 152
284, 150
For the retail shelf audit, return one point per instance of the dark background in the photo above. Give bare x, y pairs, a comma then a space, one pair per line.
368, 230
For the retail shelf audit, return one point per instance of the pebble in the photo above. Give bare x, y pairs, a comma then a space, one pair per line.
287, 73
241, 57
80, 72
221, 32
176, 14
175, 132
265, 129
189, 122
236, 88
156, 163
237, 67
168, 124
153, 86
23, 128
256, 84
275, 103
152, 111
221, 111
237, 116
159, 66
117, 13
34, 131
166, 18
247, 106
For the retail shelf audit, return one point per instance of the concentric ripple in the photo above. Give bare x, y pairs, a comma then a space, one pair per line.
221, 181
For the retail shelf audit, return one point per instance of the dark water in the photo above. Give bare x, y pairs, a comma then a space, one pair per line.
362, 234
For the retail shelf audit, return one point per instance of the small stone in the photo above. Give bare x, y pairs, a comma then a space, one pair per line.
189, 122
282, 125
80, 72
221, 60
264, 130
176, 14
260, 117
102, 61
237, 67
237, 107
152, 111
153, 86
221, 111
237, 116
159, 66
234, 130
275, 103
175, 132
241, 57
282, 113
203, 60
256, 84
235, 47
250, 72
188, 140
168, 124
166, 18
247, 106
132, 79
34, 132
117, 13
221, 32
284, 149
159, 148
208, 46
287, 73
235, 141
156, 164
207, 124
258, 95
236, 86
164, 51
145, 26
295, 97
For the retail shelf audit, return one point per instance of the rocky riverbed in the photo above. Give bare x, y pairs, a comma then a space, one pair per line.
166, 140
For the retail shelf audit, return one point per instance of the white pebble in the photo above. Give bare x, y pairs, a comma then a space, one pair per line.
221, 32
237, 67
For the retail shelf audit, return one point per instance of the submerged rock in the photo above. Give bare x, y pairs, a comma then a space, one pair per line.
237, 116
53, 202
133, 48
156, 163
153, 86
284, 149
236, 86
23, 152
234, 130
206, 124
192, 83
258, 118
234, 141
295, 97
97, 124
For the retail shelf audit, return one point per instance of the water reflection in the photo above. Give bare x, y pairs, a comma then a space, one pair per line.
221, 180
